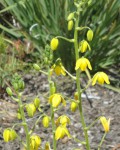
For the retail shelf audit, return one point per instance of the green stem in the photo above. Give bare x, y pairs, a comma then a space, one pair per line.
78, 83
52, 112
24, 122
92, 124
74, 78
66, 39
99, 146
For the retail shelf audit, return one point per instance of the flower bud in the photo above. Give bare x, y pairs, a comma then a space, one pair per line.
19, 116
76, 95
70, 16
45, 121
37, 102
70, 25
73, 106
30, 109
15, 85
21, 84
9, 91
54, 44
36, 67
47, 146
90, 35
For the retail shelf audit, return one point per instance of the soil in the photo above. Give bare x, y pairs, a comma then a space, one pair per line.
104, 103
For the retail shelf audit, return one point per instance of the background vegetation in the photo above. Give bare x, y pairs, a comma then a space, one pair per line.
34, 23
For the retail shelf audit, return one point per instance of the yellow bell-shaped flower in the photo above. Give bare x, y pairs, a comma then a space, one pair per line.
101, 77
105, 123
63, 120
60, 132
9, 135
58, 69
54, 44
83, 63
70, 16
45, 121
83, 46
47, 146
56, 99
35, 142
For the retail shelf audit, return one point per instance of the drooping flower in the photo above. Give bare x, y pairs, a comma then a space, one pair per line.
83, 63
35, 142
9, 135
101, 77
31, 109
63, 120
105, 123
83, 46
54, 44
58, 69
56, 99
60, 132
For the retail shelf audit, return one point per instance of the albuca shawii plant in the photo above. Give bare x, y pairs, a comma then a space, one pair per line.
55, 100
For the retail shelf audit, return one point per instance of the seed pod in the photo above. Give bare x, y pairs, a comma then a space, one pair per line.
73, 106
15, 85
36, 67
70, 25
90, 35
76, 95
45, 121
9, 91
54, 44
70, 16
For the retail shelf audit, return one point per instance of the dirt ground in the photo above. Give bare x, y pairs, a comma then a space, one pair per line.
105, 102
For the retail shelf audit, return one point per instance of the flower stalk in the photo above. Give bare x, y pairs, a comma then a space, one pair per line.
78, 82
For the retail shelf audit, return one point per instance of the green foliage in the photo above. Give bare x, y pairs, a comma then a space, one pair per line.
39, 21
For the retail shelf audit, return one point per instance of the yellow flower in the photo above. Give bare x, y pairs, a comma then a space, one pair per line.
101, 77
105, 123
83, 63
56, 99
9, 135
47, 146
54, 44
83, 46
60, 132
58, 69
70, 16
90, 35
35, 142
73, 106
36, 102
45, 121
70, 25
63, 120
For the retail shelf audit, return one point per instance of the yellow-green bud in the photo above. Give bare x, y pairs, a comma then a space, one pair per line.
70, 16
13, 135
36, 67
31, 109
45, 121
90, 35
54, 44
70, 25
73, 106
15, 85
76, 95
36, 102
19, 116
9, 91
47, 146
21, 84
